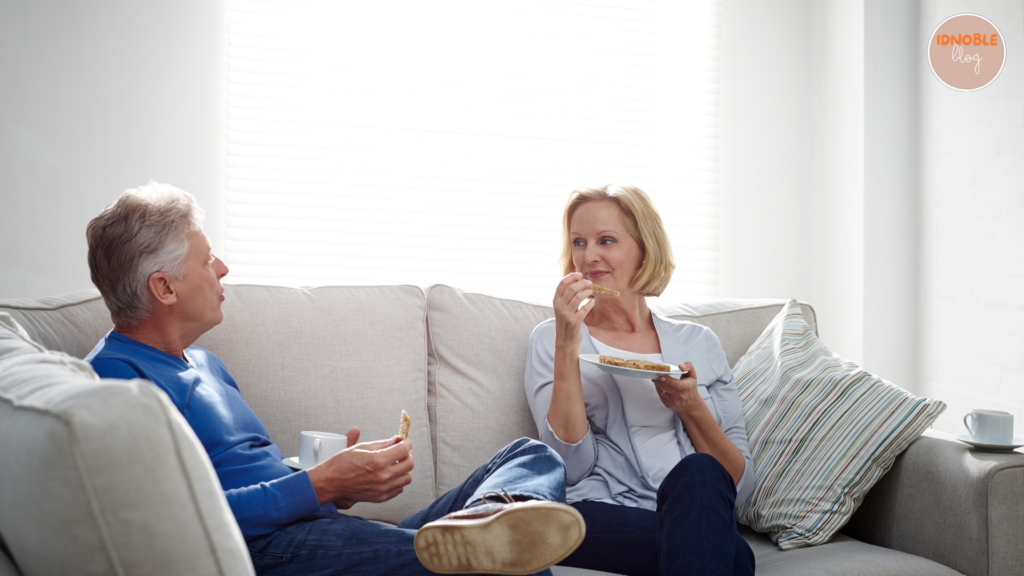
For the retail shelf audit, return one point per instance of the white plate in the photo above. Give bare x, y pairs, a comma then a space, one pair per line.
293, 462
631, 372
967, 439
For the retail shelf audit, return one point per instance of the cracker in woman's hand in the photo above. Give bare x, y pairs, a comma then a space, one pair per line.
602, 290
403, 428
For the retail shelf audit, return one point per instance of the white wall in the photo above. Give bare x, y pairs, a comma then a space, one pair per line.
792, 158
893, 54
765, 150
819, 128
97, 97
971, 324
837, 173
855, 180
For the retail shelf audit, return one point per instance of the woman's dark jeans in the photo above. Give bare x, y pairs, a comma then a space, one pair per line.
693, 531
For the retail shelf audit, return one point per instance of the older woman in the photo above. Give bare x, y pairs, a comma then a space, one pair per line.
655, 467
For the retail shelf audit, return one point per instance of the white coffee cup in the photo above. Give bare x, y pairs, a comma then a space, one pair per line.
990, 426
315, 447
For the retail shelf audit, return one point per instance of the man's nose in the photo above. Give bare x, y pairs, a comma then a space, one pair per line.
222, 268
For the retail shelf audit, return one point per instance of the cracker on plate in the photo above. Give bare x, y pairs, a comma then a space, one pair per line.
635, 363
612, 360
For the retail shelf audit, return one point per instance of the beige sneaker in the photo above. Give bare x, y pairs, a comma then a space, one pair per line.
514, 538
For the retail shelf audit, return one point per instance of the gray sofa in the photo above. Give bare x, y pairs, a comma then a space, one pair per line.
105, 477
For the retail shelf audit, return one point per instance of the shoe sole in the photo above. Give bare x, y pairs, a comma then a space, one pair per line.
519, 540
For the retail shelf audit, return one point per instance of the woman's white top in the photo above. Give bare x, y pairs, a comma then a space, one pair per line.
613, 462
651, 424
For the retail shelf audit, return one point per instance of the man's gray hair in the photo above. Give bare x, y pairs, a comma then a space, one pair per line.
144, 231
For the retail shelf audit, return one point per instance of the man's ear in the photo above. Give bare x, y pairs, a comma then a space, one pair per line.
162, 289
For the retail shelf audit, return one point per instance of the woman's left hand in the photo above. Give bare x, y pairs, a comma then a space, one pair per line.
680, 394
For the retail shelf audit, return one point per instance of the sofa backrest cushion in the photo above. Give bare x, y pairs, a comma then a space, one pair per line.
477, 360
328, 359
737, 323
70, 323
314, 359
103, 476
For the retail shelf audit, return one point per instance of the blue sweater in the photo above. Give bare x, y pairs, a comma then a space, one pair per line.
264, 494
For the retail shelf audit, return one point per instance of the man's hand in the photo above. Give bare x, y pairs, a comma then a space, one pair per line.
368, 472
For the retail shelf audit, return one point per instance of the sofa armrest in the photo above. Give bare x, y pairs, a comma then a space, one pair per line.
949, 503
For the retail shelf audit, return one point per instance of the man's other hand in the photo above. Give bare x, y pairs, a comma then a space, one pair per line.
368, 472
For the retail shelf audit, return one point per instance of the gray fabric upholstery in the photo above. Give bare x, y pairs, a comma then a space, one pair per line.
842, 556
334, 357
103, 476
328, 359
737, 323
946, 501
7, 567
477, 360
71, 323
312, 359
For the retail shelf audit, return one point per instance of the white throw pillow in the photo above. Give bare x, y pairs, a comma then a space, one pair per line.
822, 431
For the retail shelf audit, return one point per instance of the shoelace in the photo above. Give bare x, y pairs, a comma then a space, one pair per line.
503, 497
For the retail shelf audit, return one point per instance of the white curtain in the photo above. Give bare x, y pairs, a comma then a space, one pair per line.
420, 142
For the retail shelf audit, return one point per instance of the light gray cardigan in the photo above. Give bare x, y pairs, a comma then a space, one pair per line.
603, 464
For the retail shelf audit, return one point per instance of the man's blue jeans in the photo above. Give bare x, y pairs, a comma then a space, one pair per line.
330, 543
693, 530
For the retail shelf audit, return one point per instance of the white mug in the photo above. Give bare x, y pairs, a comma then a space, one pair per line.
990, 426
315, 447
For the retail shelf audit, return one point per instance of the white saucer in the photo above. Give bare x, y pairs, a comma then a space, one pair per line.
293, 462
1016, 443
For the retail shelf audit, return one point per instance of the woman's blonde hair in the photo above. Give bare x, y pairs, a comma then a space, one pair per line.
642, 221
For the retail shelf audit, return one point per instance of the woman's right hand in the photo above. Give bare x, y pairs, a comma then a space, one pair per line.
569, 315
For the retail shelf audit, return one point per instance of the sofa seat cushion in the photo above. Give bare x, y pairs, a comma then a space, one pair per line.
329, 359
103, 476
842, 556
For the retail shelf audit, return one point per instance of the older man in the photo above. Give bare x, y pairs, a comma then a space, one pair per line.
158, 276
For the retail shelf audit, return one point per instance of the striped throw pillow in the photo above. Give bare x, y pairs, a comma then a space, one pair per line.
822, 431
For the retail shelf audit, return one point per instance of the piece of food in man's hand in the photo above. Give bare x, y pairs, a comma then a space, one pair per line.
611, 360
403, 428
602, 290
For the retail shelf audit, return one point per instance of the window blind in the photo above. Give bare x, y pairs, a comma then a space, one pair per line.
422, 142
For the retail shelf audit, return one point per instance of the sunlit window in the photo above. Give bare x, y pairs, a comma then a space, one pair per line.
420, 142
